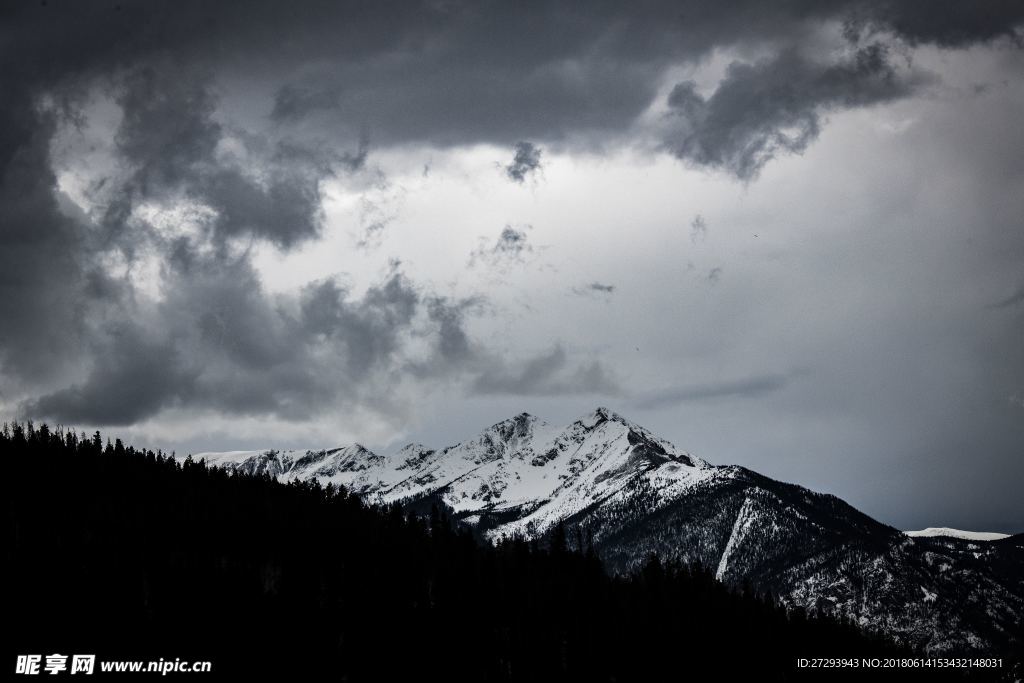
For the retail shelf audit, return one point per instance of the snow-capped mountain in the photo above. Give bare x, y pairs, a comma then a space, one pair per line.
634, 494
519, 476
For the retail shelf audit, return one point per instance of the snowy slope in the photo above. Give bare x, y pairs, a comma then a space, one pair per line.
530, 473
957, 533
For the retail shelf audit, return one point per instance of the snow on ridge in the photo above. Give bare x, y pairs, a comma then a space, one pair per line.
224, 457
590, 420
519, 463
933, 531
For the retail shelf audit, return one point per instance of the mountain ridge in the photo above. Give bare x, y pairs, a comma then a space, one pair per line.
632, 494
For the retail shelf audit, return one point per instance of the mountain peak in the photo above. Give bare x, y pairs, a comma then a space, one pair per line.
517, 425
599, 415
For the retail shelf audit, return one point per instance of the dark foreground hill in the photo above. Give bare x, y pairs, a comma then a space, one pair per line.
131, 555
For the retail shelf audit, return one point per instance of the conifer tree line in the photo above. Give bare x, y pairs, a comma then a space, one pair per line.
133, 554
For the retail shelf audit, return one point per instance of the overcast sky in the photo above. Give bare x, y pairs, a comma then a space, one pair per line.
786, 235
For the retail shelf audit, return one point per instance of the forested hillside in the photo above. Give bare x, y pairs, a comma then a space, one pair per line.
130, 554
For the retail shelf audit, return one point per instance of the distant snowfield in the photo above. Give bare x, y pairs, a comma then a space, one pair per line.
957, 533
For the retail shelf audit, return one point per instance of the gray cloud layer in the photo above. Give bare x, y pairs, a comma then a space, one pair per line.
747, 387
82, 342
218, 342
548, 374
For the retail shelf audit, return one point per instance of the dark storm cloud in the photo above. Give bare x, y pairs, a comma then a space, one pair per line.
424, 73
241, 355
40, 311
774, 106
170, 137
453, 343
320, 156
946, 23
525, 162
548, 374
335, 349
749, 387
370, 330
134, 377
455, 72
223, 344
294, 102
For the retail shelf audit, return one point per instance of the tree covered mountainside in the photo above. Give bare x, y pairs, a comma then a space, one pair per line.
132, 554
634, 495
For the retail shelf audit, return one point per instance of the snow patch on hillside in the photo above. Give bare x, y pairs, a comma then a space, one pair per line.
957, 533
